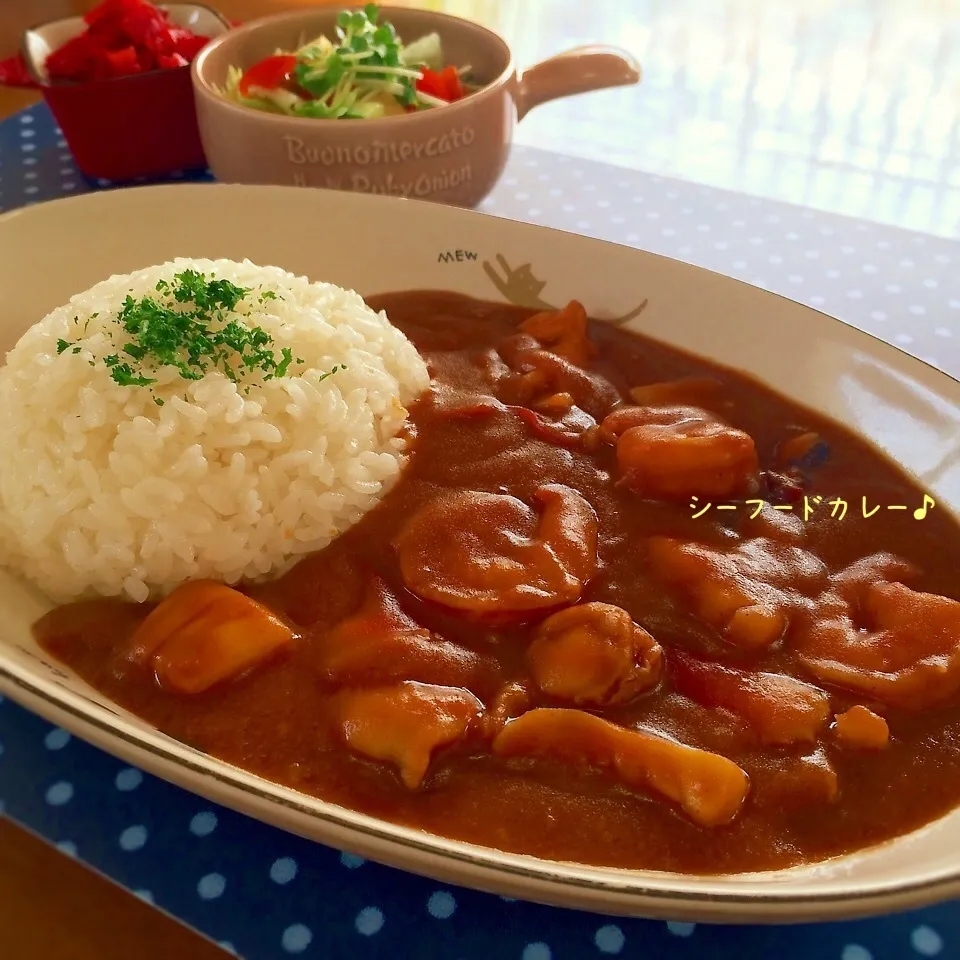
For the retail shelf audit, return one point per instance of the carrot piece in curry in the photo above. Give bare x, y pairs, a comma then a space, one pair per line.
205, 633
670, 393
380, 644
780, 709
709, 788
530, 372
563, 332
594, 654
555, 403
678, 451
861, 729
406, 724
490, 554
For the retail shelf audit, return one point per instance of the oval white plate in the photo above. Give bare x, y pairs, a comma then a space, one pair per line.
373, 244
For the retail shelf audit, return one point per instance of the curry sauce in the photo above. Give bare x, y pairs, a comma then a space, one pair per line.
623, 608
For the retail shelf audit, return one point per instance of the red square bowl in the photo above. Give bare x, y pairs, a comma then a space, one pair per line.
120, 129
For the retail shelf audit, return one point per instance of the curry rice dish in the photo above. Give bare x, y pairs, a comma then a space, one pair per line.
618, 606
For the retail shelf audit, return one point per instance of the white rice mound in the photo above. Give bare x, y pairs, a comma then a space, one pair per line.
105, 492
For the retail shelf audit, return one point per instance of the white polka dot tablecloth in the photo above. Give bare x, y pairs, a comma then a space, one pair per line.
265, 894
901, 286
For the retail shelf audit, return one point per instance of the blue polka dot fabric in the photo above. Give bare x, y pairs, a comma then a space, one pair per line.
264, 894
36, 164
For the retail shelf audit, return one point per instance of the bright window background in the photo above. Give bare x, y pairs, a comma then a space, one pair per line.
851, 106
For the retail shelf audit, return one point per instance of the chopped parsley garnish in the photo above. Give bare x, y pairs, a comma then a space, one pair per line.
123, 374
187, 327
336, 369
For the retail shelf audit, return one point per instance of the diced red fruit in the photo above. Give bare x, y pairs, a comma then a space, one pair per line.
189, 46
14, 73
123, 62
75, 57
172, 62
146, 26
106, 35
124, 37
112, 8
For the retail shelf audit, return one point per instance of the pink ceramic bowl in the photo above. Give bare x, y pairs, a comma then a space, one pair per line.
453, 154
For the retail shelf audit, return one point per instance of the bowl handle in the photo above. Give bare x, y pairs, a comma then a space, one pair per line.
577, 71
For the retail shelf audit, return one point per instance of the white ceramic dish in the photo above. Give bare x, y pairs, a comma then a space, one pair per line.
906, 408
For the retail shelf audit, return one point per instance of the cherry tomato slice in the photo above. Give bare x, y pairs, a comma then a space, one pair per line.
452, 87
431, 83
444, 85
268, 74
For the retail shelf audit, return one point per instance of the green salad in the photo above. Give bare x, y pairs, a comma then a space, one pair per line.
365, 73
